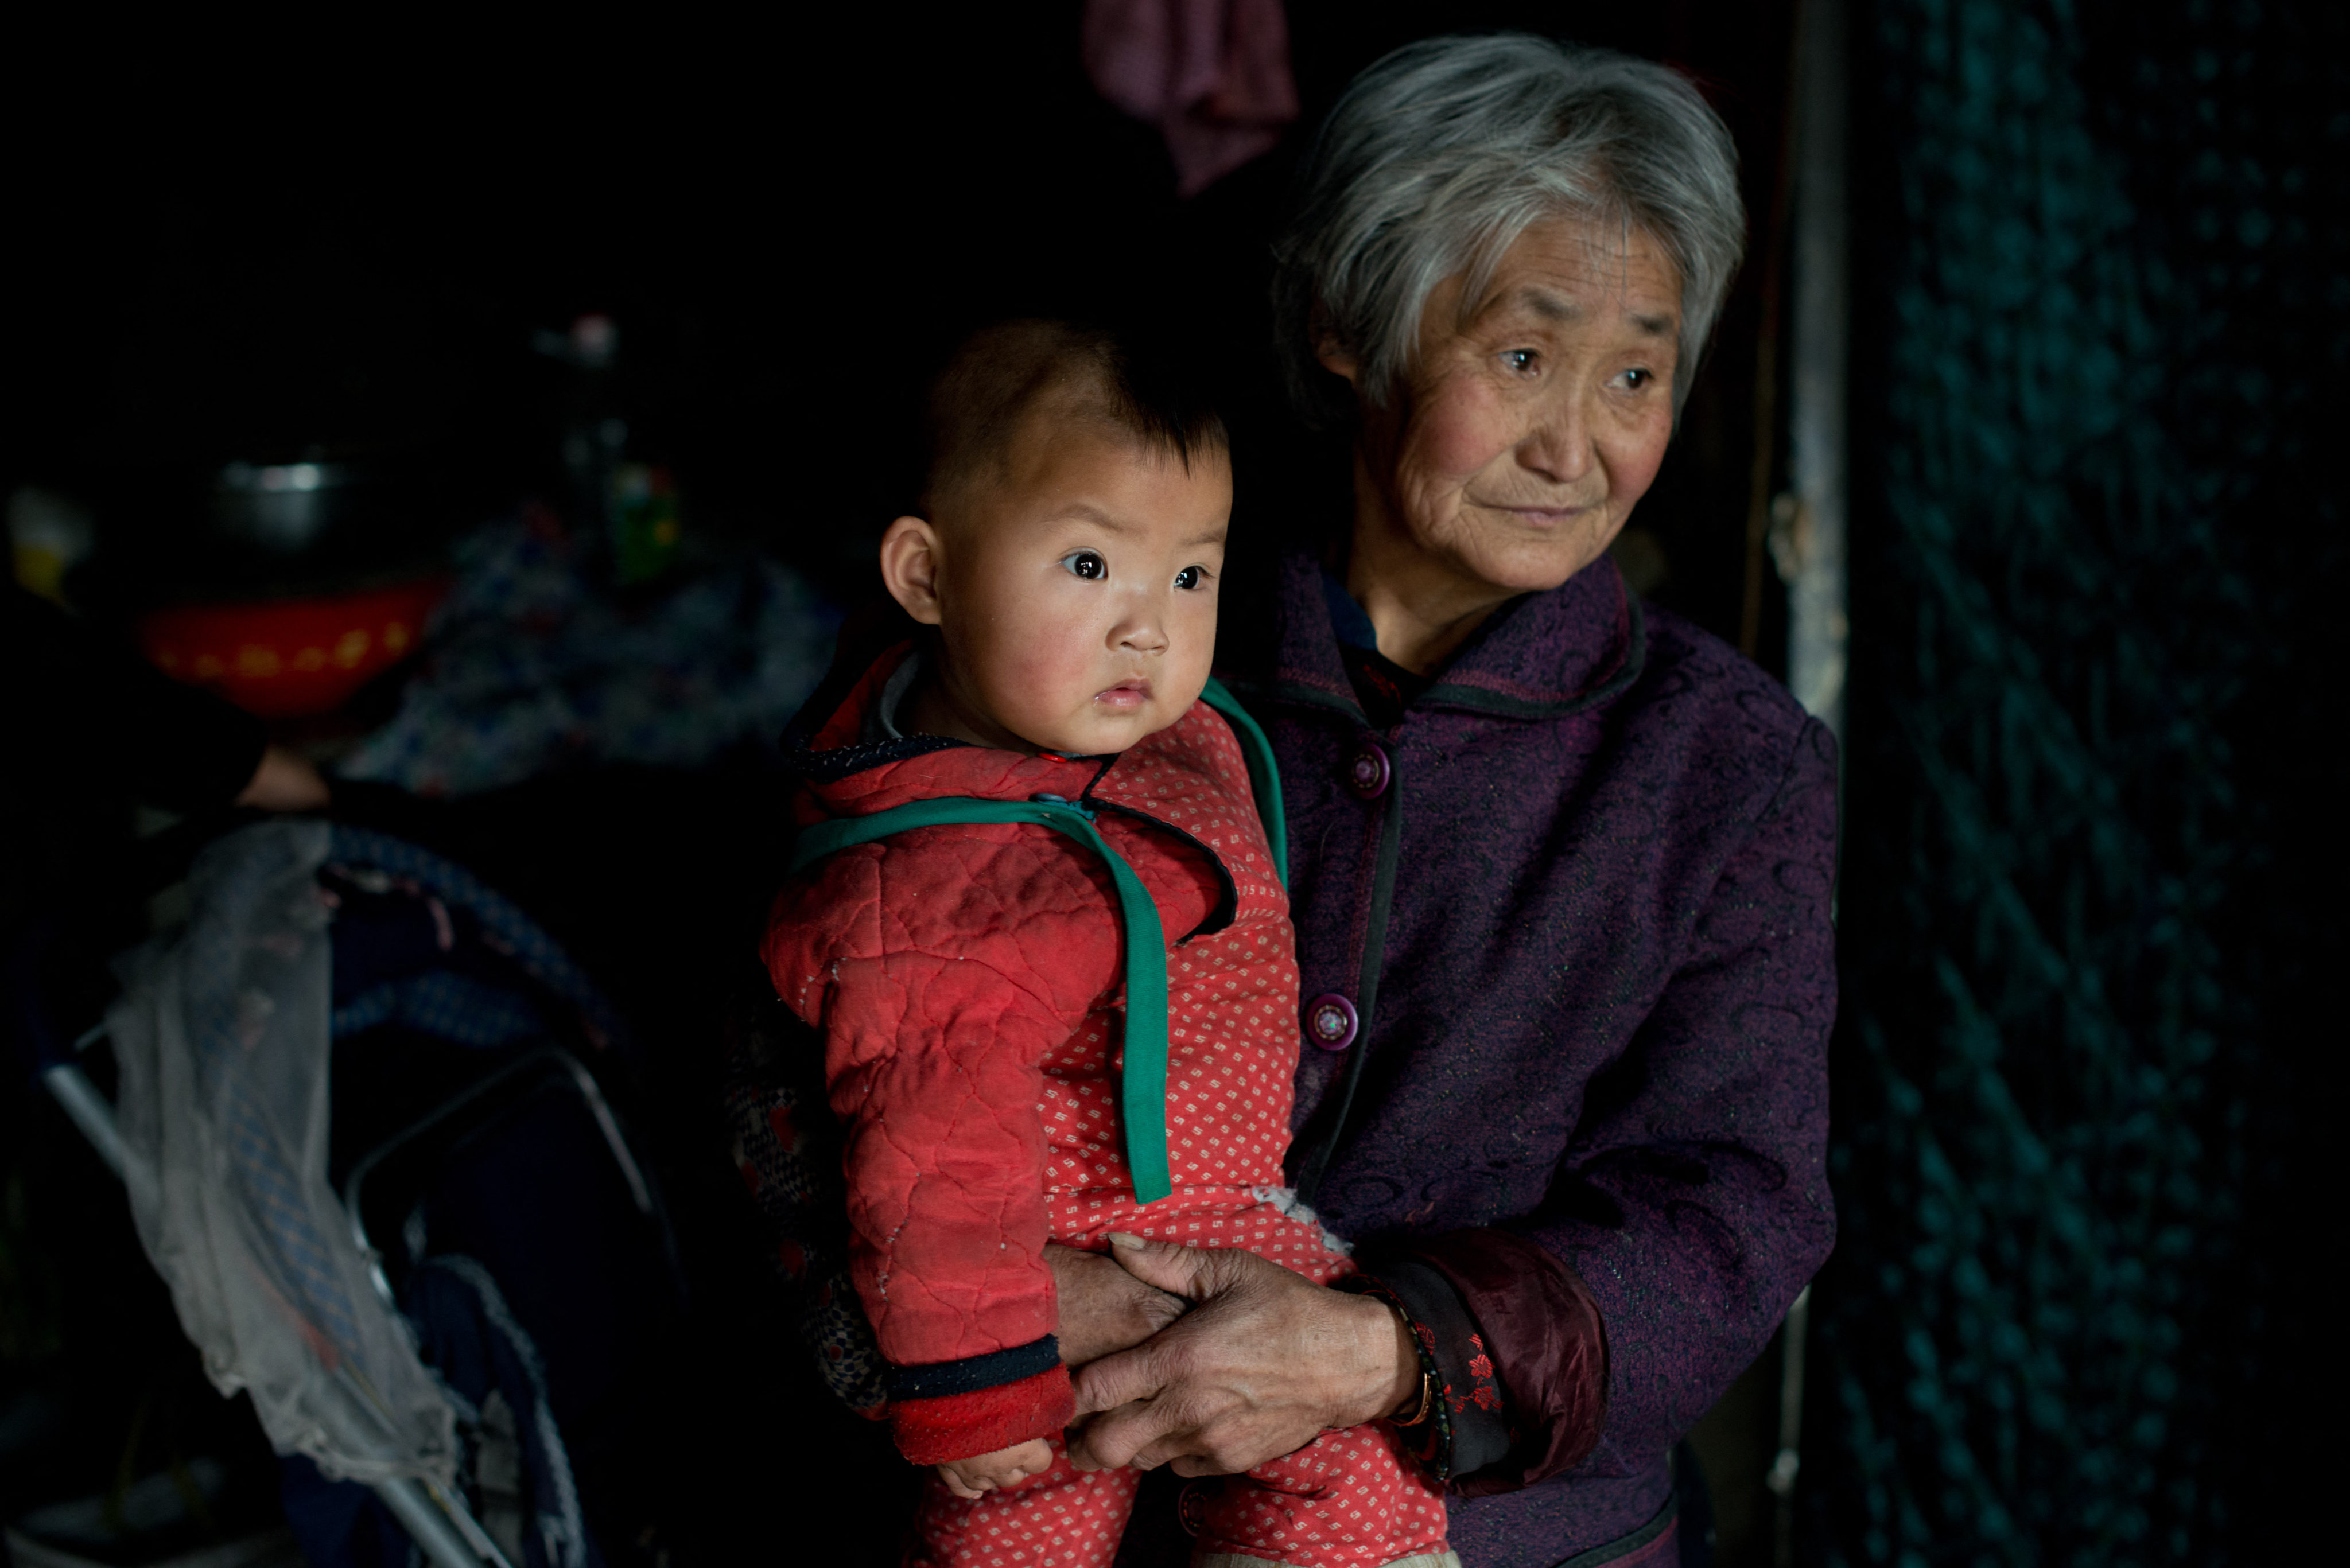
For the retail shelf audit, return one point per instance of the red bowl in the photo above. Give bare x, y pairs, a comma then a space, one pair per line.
291, 659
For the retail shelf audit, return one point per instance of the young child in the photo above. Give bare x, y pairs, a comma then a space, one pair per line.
967, 978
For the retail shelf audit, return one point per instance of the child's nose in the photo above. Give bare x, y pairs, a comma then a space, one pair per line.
1143, 633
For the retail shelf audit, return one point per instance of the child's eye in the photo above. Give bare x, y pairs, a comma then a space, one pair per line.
1191, 576
1086, 564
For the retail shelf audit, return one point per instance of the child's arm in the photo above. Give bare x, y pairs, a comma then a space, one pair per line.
934, 1067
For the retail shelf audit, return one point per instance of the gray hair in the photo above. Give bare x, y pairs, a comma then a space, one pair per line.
1441, 154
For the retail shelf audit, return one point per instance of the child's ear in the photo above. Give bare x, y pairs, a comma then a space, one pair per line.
909, 568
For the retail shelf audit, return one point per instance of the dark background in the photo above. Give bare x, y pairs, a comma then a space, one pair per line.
246, 258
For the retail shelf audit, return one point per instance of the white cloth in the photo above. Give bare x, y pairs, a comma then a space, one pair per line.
222, 1042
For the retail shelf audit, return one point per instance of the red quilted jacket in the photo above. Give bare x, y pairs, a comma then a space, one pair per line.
966, 981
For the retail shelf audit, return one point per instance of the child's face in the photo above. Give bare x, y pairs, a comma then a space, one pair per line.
1076, 595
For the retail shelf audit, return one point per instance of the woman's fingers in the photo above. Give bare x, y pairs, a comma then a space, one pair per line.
1144, 1431
1111, 1441
1120, 1379
1103, 1308
1214, 1432
1174, 1269
1195, 1273
1264, 1362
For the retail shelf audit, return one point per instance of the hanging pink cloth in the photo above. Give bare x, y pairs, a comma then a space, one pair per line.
1212, 75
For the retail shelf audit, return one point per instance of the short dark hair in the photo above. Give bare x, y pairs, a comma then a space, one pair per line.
1143, 389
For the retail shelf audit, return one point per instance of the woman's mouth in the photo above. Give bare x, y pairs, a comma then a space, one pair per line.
1126, 696
1544, 516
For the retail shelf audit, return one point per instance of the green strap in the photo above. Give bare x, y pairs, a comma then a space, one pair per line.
1142, 1095
1264, 777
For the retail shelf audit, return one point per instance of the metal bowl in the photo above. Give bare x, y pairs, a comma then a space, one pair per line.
287, 508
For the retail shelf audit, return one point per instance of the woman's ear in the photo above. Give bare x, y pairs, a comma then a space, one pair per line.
909, 568
1332, 355
1337, 361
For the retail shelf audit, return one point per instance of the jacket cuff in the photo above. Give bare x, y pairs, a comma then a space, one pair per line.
1548, 1348
983, 1421
1476, 1424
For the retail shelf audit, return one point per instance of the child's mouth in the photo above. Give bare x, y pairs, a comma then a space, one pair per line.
1126, 696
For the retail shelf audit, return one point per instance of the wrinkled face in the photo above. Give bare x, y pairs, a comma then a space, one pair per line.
1076, 595
1529, 431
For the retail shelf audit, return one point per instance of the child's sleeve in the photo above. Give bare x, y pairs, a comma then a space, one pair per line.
934, 1066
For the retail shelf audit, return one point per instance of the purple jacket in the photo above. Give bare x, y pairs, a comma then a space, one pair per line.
1578, 899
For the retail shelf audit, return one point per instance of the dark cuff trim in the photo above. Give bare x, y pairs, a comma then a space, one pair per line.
991, 1371
1548, 1344
1474, 1399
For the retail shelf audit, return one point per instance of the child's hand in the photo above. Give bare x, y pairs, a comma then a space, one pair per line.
988, 1472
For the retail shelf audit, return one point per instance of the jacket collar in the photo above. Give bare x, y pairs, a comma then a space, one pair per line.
845, 775
849, 777
1540, 656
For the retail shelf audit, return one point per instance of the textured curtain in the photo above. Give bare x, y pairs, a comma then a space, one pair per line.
2102, 288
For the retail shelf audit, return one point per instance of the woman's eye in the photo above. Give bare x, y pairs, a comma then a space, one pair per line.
1086, 565
1191, 576
1521, 358
1635, 378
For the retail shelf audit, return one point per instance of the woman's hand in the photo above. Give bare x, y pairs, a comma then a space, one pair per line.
1103, 1307
1259, 1368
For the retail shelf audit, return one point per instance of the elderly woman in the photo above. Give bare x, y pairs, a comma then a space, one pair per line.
1560, 864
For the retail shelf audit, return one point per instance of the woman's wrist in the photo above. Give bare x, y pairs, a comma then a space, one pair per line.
1391, 1386
1408, 1389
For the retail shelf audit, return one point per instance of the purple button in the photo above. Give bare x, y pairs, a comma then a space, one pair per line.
1368, 772
1330, 1021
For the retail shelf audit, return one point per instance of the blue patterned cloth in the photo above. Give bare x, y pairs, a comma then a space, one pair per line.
452, 1005
456, 1007
532, 666
479, 1348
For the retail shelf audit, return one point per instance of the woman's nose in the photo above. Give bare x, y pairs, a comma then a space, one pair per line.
1558, 447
